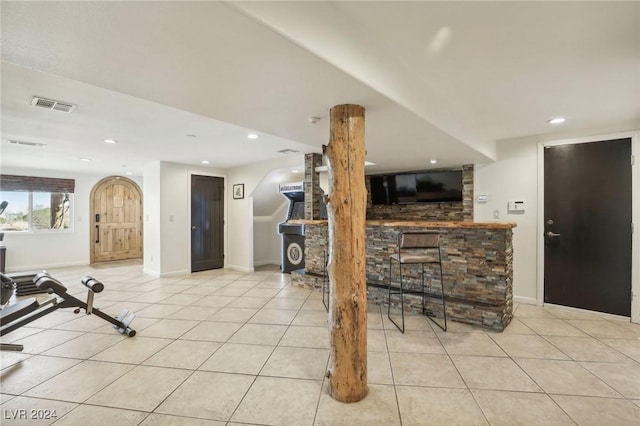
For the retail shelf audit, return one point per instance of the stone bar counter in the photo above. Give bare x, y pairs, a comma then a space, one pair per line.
477, 264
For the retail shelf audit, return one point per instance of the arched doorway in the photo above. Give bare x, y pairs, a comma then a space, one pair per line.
116, 220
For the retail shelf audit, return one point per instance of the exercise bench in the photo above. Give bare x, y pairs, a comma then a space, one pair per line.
25, 311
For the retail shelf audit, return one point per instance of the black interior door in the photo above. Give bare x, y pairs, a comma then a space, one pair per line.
587, 214
207, 223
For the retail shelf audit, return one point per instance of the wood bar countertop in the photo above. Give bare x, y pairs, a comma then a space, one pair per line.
421, 224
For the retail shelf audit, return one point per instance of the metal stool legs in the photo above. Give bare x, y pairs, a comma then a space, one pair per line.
416, 241
444, 306
325, 282
399, 291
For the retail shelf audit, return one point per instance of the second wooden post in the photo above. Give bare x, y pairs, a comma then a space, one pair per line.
346, 210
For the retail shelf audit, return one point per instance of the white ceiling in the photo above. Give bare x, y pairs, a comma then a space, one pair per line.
439, 80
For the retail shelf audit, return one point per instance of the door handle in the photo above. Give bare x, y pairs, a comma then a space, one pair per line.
97, 234
193, 228
552, 234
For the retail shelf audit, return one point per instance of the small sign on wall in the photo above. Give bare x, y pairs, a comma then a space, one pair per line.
238, 191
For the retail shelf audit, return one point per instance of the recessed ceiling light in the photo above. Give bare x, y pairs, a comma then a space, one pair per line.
433, 161
85, 159
556, 120
253, 136
205, 161
129, 173
112, 141
295, 171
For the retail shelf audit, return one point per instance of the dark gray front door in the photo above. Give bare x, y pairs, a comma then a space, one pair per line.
587, 215
207, 223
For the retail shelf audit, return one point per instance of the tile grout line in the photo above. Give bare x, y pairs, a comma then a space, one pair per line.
468, 389
532, 379
393, 376
270, 355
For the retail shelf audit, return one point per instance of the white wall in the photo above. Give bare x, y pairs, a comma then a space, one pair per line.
267, 242
26, 252
151, 218
261, 231
169, 213
240, 212
513, 177
175, 222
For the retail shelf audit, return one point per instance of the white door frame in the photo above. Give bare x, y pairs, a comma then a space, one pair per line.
635, 205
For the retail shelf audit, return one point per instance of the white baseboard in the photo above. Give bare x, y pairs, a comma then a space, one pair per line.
525, 300
150, 272
46, 266
174, 274
239, 268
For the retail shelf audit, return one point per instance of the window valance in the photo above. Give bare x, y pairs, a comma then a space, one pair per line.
36, 184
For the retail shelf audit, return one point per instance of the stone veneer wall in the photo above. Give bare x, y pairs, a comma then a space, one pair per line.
312, 190
450, 211
477, 267
467, 193
432, 212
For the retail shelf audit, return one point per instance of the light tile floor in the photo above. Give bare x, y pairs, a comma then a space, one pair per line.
228, 348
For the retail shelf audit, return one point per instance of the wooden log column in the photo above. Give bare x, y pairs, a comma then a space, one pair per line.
346, 210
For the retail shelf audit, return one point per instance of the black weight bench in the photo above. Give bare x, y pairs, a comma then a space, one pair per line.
22, 313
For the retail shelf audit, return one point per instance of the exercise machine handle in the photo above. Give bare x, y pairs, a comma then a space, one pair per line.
92, 284
46, 282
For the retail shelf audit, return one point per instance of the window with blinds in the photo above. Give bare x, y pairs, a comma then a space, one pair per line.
33, 204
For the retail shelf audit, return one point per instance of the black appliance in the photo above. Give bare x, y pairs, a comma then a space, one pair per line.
419, 187
292, 234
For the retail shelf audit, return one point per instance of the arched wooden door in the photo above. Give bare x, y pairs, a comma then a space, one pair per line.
116, 220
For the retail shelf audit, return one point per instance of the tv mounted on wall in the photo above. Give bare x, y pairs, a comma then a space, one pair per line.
418, 187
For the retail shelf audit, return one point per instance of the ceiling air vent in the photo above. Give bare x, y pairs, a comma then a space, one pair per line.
52, 104
31, 144
288, 151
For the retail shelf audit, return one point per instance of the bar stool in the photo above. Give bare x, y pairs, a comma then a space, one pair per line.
417, 248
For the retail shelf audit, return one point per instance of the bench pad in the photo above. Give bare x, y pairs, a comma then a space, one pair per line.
17, 310
45, 282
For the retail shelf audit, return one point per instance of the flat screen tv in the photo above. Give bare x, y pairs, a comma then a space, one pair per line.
405, 188
439, 186
379, 189
420, 187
